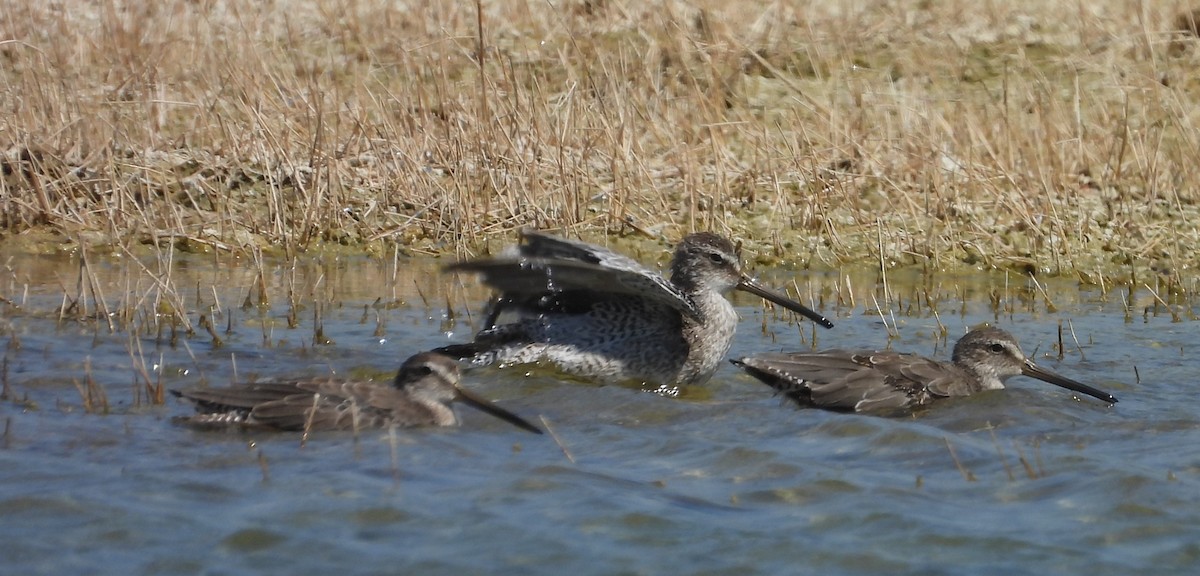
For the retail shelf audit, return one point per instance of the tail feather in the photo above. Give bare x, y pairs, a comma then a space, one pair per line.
489, 346
461, 351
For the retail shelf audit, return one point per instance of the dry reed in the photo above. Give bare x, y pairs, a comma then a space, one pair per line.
1042, 137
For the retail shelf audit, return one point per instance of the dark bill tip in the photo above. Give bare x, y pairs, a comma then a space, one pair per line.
486, 406
750, 285
1034, 371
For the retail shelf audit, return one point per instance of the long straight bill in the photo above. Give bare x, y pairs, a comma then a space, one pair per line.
484, 405
752, 286
1034, 371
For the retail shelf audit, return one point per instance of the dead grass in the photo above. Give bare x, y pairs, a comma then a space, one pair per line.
1052, 138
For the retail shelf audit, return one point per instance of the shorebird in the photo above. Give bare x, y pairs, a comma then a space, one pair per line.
598, 315
420, 395
892, 382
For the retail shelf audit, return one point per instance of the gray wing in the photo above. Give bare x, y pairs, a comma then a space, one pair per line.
342, 405
218, 408
323, 404
536, 244
859, 381
547, 265
237, 397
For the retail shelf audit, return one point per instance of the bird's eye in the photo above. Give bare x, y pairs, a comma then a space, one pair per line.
997, 348
424, 370
716, 258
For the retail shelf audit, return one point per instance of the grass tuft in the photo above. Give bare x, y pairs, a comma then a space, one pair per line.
1047, 138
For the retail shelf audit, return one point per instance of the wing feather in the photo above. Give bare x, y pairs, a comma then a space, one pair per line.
862, 381
545, 265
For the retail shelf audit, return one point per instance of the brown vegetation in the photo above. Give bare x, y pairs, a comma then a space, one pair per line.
1047, 137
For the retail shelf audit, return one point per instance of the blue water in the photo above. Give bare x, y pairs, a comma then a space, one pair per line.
728, 480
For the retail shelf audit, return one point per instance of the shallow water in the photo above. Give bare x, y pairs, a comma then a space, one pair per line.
727, 480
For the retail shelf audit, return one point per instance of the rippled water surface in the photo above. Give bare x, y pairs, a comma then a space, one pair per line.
725, 480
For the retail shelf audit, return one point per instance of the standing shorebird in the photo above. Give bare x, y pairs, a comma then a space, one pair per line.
892, 382
420, 395
599, 315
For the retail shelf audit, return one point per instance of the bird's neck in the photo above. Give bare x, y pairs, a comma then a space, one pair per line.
709, 337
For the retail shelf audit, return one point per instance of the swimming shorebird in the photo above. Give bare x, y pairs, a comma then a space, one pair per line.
890, 382
420, 395
599, 315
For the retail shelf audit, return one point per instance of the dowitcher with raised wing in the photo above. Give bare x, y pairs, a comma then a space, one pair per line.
598, 315
892, 382
420, 395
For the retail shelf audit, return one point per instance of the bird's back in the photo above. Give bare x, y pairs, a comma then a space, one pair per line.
319, 404
861, 381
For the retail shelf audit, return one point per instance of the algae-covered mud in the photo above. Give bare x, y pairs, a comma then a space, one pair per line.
1039, 137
